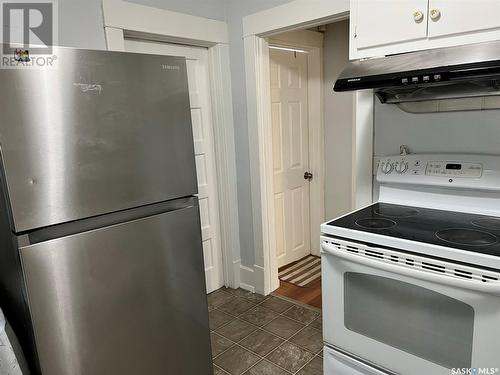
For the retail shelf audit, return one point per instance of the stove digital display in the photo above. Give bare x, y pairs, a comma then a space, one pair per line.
455, 167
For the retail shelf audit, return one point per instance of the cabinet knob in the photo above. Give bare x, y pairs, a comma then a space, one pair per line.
435, 14
418, 16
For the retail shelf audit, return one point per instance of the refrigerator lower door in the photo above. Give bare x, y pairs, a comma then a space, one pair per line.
126, 299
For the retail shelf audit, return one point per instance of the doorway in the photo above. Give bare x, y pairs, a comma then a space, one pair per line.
290, 144
201, 117
291, 72
295, 75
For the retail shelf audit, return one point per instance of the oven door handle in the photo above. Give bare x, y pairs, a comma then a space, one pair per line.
489, 288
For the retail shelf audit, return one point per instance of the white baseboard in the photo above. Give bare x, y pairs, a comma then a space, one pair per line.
250, 288
259, 279
247, 278
235, 283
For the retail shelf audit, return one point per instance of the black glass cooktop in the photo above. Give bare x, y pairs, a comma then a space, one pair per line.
445, 228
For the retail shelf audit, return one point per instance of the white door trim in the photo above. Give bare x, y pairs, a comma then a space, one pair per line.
123, 19
312, 42
298, 14
303, 38
295, 15
179, 27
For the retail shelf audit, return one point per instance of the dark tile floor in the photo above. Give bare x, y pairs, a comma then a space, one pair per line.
256, 335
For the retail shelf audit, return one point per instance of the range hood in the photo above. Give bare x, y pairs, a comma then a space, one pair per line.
446, 73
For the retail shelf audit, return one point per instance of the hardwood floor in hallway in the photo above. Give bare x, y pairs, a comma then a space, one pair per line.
310, 294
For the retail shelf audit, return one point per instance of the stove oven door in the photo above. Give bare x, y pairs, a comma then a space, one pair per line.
411, 315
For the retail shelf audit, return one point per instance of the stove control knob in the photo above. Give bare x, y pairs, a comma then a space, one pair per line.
387, 167
401, 167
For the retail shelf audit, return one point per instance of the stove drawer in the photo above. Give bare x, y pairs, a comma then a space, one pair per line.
337, 363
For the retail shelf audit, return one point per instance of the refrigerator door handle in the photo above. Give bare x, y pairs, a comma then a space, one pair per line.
85, 225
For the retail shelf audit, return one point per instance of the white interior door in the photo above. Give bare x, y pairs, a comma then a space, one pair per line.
201, 115
289, 109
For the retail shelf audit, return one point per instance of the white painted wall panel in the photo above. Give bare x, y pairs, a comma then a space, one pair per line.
448, 132
339, 124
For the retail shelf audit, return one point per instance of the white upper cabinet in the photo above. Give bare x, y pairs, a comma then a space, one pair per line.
384, 27
462, 16
382, 22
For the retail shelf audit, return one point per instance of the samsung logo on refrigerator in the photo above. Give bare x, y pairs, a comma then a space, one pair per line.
354, 80
170, 67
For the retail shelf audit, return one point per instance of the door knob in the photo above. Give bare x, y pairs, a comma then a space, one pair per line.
435, 14
418, 16
308, 176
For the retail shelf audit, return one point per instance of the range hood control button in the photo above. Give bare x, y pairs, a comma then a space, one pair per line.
404, 81
426, 78
414, 79
437, 77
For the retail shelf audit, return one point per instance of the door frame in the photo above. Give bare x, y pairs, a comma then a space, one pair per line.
312, 42
298, 14
123, 19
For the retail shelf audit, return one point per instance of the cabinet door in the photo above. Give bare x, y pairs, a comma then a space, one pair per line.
380, 22
453, 17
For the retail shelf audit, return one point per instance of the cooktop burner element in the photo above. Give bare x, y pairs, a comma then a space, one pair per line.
467, 237
396, 211
490, 223
451, 229
375, 223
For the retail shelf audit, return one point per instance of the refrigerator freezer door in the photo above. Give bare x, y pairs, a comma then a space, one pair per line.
126, 299
98, 132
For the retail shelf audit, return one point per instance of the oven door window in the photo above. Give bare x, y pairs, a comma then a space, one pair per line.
411, 318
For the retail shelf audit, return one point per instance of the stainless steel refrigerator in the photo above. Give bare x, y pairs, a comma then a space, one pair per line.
101, 264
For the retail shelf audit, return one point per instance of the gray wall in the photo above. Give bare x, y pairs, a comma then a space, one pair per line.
215, 9
235, 11
81, 23
339, 126
449, 132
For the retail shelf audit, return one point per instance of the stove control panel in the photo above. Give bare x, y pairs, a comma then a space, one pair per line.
440, 180
453, 169
419, 166
460, 171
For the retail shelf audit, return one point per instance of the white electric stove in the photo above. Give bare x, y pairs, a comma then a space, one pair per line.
411, 284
